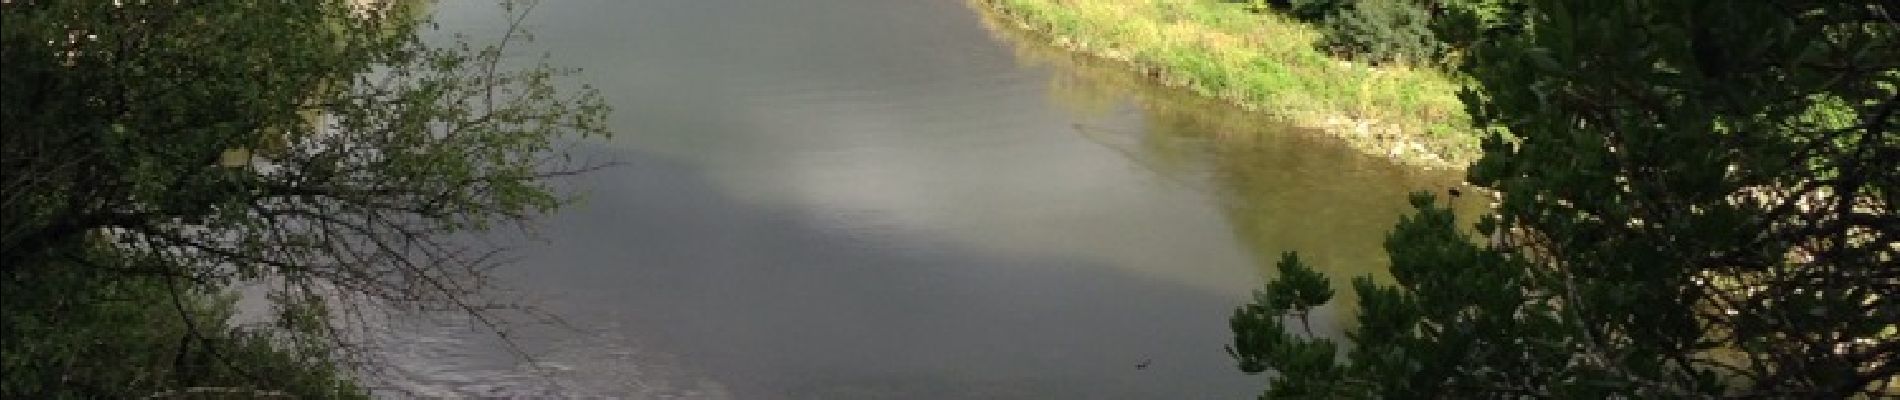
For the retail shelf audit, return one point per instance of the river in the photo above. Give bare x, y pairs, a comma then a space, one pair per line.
835, 199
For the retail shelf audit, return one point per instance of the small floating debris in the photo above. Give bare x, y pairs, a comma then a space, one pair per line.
550, 366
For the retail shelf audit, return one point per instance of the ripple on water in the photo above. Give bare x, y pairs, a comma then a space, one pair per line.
458, 361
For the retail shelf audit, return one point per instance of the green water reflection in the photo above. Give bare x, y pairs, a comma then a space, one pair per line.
1281, 188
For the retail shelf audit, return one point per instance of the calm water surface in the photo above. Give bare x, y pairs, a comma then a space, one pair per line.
897, 199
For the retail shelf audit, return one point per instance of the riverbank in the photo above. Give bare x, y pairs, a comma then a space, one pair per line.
1262, 62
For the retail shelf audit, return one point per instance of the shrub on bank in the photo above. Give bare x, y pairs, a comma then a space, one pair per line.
1382, 31
1305, 10
1413, 32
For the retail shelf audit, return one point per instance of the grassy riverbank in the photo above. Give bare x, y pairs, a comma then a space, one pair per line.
1263, 62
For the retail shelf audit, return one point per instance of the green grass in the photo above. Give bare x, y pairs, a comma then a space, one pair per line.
1264, 62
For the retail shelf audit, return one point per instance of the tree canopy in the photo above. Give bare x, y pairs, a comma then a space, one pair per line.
321, 148
1696, 200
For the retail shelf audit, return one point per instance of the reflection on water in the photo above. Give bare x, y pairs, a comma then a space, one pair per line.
886, 199
1281, 189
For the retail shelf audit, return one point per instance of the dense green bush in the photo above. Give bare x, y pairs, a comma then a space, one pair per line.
1317, 10
1375, 31
1460, 23
1695, 201
86, 331
158, 155
1304, 10
1381, 31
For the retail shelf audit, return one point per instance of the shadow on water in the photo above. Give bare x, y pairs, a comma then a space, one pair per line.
770, 305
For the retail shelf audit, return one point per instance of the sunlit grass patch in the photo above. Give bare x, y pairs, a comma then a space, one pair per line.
1265, 62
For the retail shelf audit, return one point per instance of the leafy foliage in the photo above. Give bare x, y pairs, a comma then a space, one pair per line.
1459, 24
1383, 31
1259, 330
319, 148
1697, 200
1373, 31
1306, 10
89, 333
